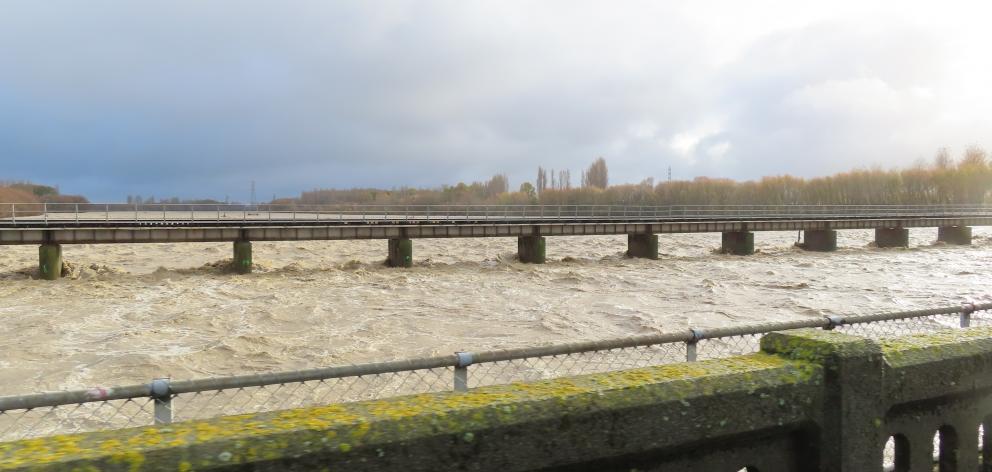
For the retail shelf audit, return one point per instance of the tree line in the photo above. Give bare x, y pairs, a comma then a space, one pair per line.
945, 180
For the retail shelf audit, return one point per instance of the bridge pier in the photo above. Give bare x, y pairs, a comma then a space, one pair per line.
643, 245
242, 257
954, 234
50, 261
531, 249
738, 243
822, 240
891, 237
400, 252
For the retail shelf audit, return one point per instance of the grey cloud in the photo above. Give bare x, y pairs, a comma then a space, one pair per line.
198, 98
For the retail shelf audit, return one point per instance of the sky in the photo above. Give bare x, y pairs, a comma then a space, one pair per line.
195, 98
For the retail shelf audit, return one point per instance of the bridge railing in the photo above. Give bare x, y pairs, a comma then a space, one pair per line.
165, 400
68, 213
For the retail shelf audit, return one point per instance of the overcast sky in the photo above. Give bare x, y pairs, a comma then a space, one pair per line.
195, 98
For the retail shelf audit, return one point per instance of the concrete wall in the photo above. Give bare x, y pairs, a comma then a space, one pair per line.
812, 400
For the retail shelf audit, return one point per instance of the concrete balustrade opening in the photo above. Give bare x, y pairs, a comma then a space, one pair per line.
52, 225
810, 400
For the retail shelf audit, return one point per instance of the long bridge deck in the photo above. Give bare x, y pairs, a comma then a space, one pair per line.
51, 225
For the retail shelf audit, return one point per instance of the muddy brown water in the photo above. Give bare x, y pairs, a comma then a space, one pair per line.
132, 312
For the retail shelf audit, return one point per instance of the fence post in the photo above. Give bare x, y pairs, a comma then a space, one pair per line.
690, 345
833, 322
966, 310
163, 400
465, 359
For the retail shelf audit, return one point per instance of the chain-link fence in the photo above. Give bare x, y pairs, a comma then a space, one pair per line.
164, 401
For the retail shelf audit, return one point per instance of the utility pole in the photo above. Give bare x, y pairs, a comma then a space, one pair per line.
669, 173
253, 193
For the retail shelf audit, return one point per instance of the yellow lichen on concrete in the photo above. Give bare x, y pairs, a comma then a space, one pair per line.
344, 427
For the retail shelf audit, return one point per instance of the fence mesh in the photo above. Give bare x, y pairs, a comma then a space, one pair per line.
208, 404
140, 411
75, 418
538, 368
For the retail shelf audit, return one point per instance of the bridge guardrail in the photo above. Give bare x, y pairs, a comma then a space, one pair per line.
61, 214
164, 401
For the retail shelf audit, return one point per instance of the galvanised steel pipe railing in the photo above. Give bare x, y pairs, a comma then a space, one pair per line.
59, 214
163, 391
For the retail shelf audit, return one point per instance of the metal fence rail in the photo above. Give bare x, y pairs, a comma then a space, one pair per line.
164, 401
62, 214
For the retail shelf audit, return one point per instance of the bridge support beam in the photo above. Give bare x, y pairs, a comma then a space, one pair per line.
891, 237
50, 261
738, 243
242, 257
643, 245
531, 249
954, 234
822, 240
400, 253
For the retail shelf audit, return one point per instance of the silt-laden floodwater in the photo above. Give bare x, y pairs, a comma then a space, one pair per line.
132, 312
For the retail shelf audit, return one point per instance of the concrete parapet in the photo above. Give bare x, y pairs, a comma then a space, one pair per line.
50, 261
615, 421
823, 240
954, 234
531, 249
400, 253
740, 243
811, 400
242, 261
891, 237
642, 245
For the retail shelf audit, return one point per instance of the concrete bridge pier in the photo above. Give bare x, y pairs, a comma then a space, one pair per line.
50, 261
822, 240
891, 237
242, 257
531, 249
738, 243
954, 234
400, 252
644, 245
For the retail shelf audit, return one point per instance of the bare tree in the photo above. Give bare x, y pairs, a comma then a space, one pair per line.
597, 175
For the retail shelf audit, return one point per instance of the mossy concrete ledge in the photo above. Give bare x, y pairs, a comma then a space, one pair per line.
945, 363
712, 415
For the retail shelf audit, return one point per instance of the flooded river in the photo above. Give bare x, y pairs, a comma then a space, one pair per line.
131, 312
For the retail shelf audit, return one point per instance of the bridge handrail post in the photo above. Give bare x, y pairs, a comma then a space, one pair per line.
77, 214
465, 359
162, 396
44, 209
966, 310
106, 209
13, 212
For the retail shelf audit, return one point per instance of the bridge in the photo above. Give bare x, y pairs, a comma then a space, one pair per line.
52, 225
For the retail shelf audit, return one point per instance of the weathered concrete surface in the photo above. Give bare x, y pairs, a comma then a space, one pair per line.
820, 240
812, 400
739, 243
242, 261
849, 435
400, 252
643, 246
954, 234
50, 261
531, 249
635, 419
891, 237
